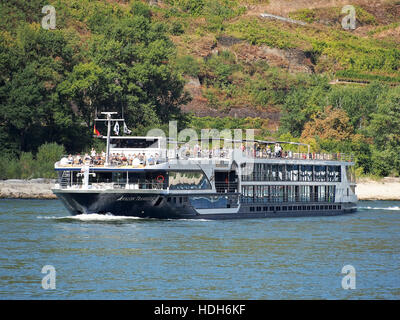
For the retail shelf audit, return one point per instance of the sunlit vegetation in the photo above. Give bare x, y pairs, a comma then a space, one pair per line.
129, 57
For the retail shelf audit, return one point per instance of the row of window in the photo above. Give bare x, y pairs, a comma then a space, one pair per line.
175, 180
290, 172
296, 208
272, 194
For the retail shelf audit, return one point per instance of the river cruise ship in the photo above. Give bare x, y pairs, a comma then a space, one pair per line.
146, 177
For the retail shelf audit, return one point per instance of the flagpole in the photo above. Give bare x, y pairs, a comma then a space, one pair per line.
108, 139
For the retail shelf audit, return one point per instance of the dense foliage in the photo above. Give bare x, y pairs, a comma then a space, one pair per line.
129, 57
54, 81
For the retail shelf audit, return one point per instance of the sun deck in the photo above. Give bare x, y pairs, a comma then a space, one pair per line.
136, 162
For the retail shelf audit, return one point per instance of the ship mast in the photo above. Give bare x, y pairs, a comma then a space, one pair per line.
108, 119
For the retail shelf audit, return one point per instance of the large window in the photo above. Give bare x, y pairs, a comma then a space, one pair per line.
281, 172
248, 193
326, 193
306, 173
291, 195
278, 194
319, 173
291, 172
334, 173
305, 194
188, 180
259, 195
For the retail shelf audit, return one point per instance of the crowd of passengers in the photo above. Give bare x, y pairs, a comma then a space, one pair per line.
183, 152
117, 159
257, 151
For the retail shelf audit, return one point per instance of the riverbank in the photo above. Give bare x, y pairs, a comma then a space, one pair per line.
367, 189
27, 189
384, 189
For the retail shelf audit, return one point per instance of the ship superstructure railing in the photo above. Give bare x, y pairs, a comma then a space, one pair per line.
214, 155
223, 187
142, 185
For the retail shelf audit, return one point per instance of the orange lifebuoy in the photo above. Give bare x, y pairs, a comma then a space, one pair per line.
160, 178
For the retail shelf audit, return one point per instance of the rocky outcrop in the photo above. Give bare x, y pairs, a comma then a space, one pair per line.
294, 60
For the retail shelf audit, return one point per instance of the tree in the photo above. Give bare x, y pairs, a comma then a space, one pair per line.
141, 82
31, 112
297, 111
86, 87
332, 123
358, 102
384, 128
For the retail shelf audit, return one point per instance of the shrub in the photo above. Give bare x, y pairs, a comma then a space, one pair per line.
187, 65
138, 8
9, 168
177, 28
47, 155
27, 165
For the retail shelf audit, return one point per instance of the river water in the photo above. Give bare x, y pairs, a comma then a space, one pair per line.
107, 257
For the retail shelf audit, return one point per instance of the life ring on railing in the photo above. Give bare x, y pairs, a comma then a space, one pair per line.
160, 178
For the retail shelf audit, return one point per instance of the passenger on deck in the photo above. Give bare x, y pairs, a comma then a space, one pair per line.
277, 150
70, 159
268, 151
124, 159
150, 161
130, 159
87, 159
79, 159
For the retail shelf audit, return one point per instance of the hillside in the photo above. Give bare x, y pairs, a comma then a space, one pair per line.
255, 49
205, 63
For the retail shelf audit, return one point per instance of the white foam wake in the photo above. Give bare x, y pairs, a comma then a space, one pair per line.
379, 208
92, 217
107, 217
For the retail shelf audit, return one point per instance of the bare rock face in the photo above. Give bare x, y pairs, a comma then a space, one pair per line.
294, 60
198, 102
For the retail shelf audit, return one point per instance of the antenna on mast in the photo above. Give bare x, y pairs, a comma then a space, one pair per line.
109, 119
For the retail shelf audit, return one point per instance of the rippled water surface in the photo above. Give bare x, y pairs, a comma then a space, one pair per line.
108, 257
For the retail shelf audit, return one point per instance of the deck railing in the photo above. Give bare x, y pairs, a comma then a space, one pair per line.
143, 185
210, 156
